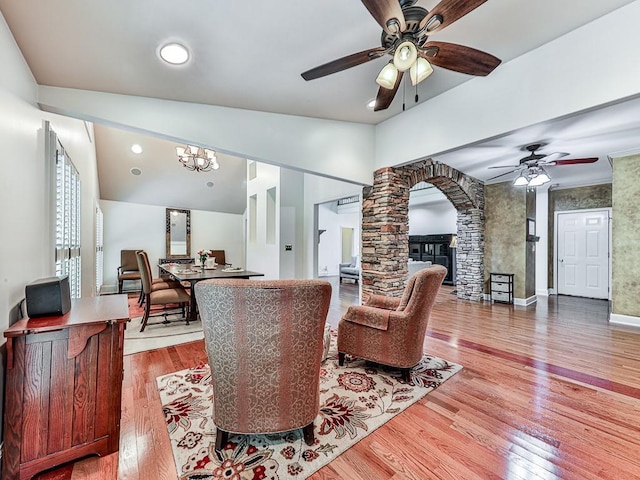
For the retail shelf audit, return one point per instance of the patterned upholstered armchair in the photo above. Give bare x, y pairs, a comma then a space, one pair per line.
391, 330
264, 343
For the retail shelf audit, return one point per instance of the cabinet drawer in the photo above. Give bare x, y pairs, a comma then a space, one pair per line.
500, 296
500, 287
500, 278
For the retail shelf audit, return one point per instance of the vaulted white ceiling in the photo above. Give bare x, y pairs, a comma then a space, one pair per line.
249, 55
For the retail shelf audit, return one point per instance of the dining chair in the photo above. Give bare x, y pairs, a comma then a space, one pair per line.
264, 341
166, 295
128, 269
391, 330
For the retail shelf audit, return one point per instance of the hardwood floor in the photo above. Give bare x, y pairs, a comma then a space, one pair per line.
551, 391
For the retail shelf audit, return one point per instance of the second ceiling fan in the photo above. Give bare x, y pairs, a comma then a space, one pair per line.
405, 32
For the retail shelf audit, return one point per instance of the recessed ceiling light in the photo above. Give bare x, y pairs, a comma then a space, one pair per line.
174, 53
209, 184
135, 171
135, 148
371, 104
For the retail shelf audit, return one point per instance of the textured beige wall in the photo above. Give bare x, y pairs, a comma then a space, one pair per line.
530, 253
579, 198
505, 234
626, 242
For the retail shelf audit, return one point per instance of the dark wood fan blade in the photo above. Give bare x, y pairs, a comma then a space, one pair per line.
501, 175
461, 59
385, 10
574, 161
343, 63
449, 11
385, 95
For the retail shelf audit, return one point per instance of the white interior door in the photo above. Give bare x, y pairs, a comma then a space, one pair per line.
583, 253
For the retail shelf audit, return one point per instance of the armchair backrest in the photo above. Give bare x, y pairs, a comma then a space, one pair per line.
145, 271
422, 290
264, 343
128, 262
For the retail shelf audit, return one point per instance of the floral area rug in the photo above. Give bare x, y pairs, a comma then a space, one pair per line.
354, 401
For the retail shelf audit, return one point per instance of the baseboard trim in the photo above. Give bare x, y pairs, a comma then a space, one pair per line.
620, 319
524, 302
542, 292
552, 291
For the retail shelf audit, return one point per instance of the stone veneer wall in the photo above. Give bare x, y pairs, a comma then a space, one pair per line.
385, 227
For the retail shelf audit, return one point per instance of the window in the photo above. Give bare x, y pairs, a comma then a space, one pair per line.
99, 250
67, 220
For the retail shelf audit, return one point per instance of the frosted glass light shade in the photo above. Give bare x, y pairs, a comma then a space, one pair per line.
387, 76
539, 179
420, 70
521, 180
405, 56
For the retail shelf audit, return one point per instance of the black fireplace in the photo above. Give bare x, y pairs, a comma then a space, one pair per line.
435, 249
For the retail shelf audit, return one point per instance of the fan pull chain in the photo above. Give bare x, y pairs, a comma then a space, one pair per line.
404, 93
416, 99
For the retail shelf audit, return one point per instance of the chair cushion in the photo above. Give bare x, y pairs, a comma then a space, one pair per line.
368, 316
129, 276
350, 270
169, 295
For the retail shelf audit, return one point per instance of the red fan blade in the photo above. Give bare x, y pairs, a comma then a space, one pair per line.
385, 95
386, 10
460, 58
575, 161
449, 11
343, 63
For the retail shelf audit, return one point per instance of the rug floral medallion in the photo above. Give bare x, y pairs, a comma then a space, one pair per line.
354, 401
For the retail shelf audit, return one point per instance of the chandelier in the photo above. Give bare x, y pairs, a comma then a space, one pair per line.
197, 158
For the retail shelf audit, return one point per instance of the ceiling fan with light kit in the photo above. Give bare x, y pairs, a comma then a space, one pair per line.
531, 169
406, 29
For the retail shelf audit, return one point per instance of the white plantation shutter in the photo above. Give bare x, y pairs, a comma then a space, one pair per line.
99, 250
67, 257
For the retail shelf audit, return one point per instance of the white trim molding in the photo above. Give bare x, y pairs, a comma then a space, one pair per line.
524, 302
543, 292
620, 319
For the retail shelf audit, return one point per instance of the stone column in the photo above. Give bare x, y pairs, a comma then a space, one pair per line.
385, 240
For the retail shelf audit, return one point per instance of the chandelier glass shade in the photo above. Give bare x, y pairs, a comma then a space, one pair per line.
197, 159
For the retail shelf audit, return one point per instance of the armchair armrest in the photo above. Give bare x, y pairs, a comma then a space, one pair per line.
368, 316
380, 301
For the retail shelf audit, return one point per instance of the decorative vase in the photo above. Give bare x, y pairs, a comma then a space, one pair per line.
202, 261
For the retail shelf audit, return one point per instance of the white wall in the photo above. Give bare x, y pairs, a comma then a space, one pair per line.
318, 190
263, 257
333, 219
26, 251
130, 226
432, 218
327, 147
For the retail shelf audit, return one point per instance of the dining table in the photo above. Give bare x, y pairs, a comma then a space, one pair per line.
194, 274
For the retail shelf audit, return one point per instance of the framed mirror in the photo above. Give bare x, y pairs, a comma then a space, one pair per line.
178, 233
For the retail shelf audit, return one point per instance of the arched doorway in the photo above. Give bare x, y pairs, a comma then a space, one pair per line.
385, 226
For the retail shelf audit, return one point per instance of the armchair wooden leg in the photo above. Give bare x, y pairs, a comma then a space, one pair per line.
341, 359
222, 438
406, 374
307, 433
120, 282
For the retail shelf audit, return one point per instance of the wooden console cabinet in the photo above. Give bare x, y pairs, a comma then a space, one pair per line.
63, 387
